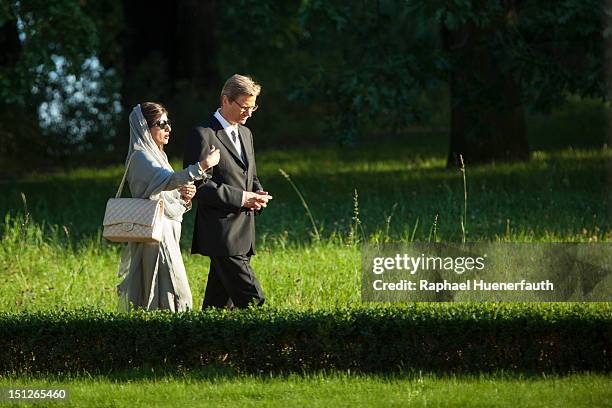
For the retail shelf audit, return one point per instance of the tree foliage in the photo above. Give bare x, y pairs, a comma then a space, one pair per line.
552, 47
45, 29
356, 67
55, 96
366, 65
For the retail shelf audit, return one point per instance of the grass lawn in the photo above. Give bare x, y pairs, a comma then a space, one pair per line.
53, 257
325, 390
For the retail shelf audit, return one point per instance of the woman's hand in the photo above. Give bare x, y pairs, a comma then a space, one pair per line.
212, 159
187, 192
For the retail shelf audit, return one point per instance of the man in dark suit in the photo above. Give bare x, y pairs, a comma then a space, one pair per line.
227, 201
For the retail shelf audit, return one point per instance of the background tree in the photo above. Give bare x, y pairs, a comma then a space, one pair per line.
499, 58
48, 69
508, 56
331, 71
31, 32
169, 56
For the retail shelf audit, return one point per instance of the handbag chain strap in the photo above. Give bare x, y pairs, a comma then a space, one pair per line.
120, 190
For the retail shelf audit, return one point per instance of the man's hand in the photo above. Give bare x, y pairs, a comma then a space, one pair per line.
256, 200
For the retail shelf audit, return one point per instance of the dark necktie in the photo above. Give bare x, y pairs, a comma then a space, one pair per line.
237, 145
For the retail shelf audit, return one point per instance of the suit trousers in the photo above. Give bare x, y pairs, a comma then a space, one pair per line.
232, 283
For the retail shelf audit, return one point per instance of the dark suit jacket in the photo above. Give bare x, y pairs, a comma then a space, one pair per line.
222, 227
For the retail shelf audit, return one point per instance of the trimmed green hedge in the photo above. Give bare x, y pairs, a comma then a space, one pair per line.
432, 337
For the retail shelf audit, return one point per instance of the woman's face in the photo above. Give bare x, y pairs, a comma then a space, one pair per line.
161, 131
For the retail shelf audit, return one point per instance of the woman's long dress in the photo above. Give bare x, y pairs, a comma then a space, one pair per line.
154, 273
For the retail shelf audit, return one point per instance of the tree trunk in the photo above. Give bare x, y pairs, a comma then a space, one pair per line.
195, 44
148, 50
10, 44
168, 49
487, 117
19, 131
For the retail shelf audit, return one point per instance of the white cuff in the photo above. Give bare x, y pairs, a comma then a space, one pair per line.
200, 169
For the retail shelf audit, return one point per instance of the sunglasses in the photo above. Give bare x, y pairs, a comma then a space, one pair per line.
163, 124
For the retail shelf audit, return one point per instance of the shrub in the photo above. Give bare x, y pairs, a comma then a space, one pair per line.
433, 337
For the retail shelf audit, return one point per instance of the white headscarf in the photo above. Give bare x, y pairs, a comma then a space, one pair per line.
141, 139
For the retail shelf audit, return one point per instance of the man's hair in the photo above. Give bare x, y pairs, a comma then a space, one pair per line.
238, 85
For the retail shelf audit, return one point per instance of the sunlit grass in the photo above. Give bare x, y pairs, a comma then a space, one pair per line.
54, 257
329, 389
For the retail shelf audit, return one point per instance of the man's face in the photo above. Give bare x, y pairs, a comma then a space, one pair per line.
238, 110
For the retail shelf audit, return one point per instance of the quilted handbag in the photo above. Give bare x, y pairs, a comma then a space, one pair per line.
133, 219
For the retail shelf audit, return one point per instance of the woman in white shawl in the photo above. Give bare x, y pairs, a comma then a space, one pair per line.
153, 275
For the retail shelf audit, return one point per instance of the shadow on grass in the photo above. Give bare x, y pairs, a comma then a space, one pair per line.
550, 193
